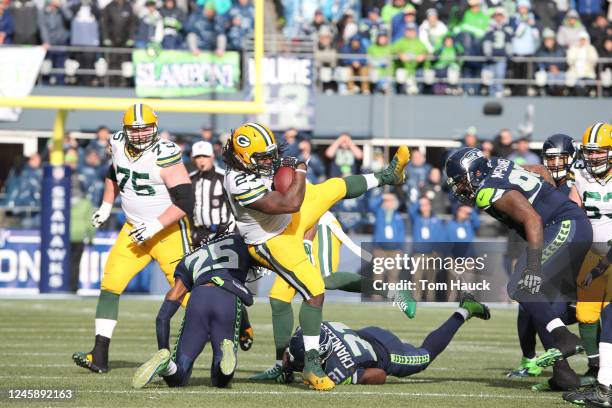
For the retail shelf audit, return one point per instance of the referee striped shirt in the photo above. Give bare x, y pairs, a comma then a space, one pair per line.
211, 208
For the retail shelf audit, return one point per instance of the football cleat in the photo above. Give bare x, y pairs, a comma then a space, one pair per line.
393, 174
563, 379
406, 303
228, 360
577, 396
86, 360
599, 396
474, 308
155, 365
527, 368
567, 344
313, 374
271, 374
246, 339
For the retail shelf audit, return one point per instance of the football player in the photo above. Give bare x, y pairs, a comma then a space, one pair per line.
215, 274
323, 251
593, 191
273, 224
369, 355
156, 195
557, 232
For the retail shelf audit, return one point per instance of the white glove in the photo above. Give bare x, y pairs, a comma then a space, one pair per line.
145, 230
102, 214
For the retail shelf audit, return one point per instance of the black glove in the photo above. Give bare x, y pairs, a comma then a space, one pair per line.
290, 161
530, 282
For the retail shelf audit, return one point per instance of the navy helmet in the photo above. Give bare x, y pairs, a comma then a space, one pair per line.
558, 154
466, 169
297, 352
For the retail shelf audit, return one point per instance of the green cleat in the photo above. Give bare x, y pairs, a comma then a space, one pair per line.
527, 368
228, 361
474, 308
271, 374
146, 372
393, 174
313, 374
85, 360
541, 387
406, 303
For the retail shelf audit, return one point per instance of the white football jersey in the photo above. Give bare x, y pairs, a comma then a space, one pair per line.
254, 226
597, 201
144, 195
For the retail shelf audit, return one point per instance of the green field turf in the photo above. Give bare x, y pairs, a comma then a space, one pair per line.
38, 337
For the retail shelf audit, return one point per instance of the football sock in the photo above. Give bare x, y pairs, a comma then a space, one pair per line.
282, 325
357, 185
346, 281
438, 340
108, 306
526, 333
100, 350
605, 364
589, 333
170, 369
554, 324
310, 320
308, 249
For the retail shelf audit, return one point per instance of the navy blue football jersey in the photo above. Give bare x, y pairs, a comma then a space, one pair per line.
350, 354
551, 204
225, 261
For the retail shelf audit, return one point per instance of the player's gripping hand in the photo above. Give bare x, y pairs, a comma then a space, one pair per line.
101, 215
145, 230
290, 161
593, 274
530, 283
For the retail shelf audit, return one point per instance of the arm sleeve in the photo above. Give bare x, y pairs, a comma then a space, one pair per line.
183, 197
111, 173
162, 323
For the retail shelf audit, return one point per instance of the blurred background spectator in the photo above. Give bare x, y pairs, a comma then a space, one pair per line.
173, 22
522, 155
53, 23
7, 24
343, 154
581, 61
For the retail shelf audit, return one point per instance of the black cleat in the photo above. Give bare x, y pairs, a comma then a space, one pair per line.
564, 378
599, 396
578, 396
97, 359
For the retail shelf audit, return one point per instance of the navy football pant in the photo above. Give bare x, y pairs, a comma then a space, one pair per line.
527, 329
213, 314
565, 245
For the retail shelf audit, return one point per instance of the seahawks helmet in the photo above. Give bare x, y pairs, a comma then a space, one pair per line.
297, 352
558, 154
466, 169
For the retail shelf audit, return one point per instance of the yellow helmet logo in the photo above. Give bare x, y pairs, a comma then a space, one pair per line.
597, 148
140, 127
254, 147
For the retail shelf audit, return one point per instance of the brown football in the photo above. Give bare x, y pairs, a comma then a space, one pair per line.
283, 179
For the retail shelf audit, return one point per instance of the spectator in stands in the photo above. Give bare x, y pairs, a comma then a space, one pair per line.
244, 9
570, 30
118, 26
291, 143
81, 232
347, 28
553, 63
221, 7
582, 62
389, 227
316, 168
380, 57
355, 60
471, 68
522, 155
462, 229
427, 229
53, 21
474, 21
391, 9
236, 33
525, 43
487, 148
410, 53
150, 32
402, 20
100, 144
432, 31
314, 27
85, 32
205, 31
26, 188
470, 138
207, 134
417, 173
325, 56
173, 21
589, 10
502, 145
497, 45
546, 12
91, 176
25, 21
446, 57
7, 24
371, 26
599, 30
435, 193
344, 154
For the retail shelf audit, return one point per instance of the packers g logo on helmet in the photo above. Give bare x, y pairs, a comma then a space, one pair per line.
254, 147
597, 149
140, 127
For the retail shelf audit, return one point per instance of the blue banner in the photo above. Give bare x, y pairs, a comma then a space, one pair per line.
20, 263
55, 229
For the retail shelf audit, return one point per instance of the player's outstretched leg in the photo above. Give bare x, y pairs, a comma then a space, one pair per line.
474, 307
567, 344
313, 375
393, 174
155, 365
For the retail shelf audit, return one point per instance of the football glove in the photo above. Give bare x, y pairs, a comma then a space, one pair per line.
530, 283
101, 215
594, 273
145, 230
290, 161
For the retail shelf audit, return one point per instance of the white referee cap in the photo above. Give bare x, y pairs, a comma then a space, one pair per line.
202, 148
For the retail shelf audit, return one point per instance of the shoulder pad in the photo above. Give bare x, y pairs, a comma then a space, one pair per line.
168, 153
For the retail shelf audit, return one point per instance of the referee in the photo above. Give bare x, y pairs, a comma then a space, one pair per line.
211, 211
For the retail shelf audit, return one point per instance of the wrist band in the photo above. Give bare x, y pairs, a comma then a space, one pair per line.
301, 170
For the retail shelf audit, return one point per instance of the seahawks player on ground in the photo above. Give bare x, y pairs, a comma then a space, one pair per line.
369, 355
557, 232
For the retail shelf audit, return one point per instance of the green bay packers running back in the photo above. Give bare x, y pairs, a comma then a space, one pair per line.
273, 224
156, 195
